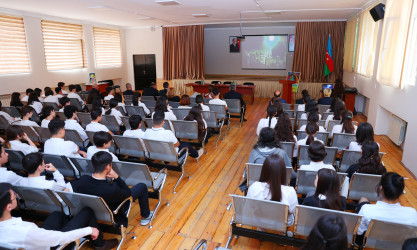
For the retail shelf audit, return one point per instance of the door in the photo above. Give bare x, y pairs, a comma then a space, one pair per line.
144, 68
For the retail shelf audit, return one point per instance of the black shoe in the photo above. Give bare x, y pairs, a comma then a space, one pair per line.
108, 244
245, 120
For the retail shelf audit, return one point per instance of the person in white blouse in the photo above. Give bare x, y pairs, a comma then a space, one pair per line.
364, 132
316, 153
26, 97
61, 85
390, 188
6, 175
120, 103
114, 112
302, 107
102, 142
72, 94
135, 122
313, 117
199, 100
70, 113
311, 107
34, 102
27, 112
270, 121
311, 130
14, 135
272, 185
136, 101
339, 107
48, 113
216, 98
50, 97
346, 125
110, 93
161, 105
95, 124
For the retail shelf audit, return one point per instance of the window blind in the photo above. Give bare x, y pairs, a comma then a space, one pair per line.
64, 45
14, 56
350, 44
107, 47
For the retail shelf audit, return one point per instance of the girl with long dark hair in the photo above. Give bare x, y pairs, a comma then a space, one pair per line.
370, 162
137, 101
312, 117
346, 125
196, 115
15, 100
284, 132
34, 102
270, 121
199, 100
365, 132
311, 107
339, 107
113, 103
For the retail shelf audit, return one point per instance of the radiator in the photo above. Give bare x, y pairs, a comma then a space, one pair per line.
397, 130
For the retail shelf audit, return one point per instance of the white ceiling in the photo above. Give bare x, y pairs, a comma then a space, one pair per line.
132, 13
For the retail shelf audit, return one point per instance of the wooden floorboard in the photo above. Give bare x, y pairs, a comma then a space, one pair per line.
198, 209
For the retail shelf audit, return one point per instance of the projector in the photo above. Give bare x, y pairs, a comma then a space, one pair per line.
241, 37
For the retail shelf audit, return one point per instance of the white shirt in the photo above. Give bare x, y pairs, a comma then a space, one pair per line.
218, 101
304, 116
45, 123
263, 123
260, 190
93, 149
59, 96
57, 184
184, 107
121, 104
354, 146
73, 124
315, 166
75, 95
116, 113
160, 134
24, 147
7, 117
329, 117
168, 116
10, 177
137, 133
25, 98
27, 123
141, 104
21, 234
96, 127
64, 92
204, 107
108, 97
37, 106
321, 129
58, 146
338, 129
386, 212
301, 107
303, 142
51, 98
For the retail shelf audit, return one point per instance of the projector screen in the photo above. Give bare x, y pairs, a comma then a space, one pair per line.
264, 52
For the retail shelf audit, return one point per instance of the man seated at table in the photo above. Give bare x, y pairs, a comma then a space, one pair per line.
277, 97
233, 94
326, 99
151, 91
129, 90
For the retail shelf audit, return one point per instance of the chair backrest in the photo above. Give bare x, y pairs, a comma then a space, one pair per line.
129, 146
125, 120
121, 110
31, 133
135, 110
51, 104
174, 104
110, 122
180, 113
323, 108
83, 165
388, 235
15, 159
161, 151
206, 100
303, 158
44, 133
325, 115
149, 124
254, 173
134, 173
299, 114
288, 147
293, 120
89, 107
264, 214
12, 111
192, 100
306, 218
211, 119
149, 103
37, 199
62, 164
302, 122
3, 122
148, 98
322, 136
35, 117
233, 106
186, 129
342, 141
128, 102
286, 106
72, 135
349, 158
290, 113
61, 115
216, 82
305, 181
76, 103
363, 185
84, 118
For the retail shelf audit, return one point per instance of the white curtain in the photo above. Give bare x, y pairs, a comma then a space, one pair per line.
409, 76
350, 44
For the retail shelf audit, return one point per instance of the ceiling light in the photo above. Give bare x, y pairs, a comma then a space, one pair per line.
144, 18
272, 12
167, 2
99, 8
200, 15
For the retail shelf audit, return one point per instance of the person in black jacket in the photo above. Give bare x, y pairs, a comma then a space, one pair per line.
165, 90
151, 91
128, 90
304, 93
115, 191
233, 94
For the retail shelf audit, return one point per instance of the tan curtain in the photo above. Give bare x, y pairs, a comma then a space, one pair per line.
350, 44
310, 50
183, 49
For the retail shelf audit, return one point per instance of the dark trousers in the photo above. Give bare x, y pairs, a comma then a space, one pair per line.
58, 221
140, 192
191, 150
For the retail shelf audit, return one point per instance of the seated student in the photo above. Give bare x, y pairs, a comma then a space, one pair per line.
78, 88
216, 98
267, 145
6, 175
303, 94
119, 100
165, 90
346, 125
410, 244
114, 112
26, 97
302, 107
316, 153
57, 229
71, 122
56, 145
311, 130
195, 114
6, 116
278, 106
157, 132
64, 101
390, 188
113, 192
339, 107
364, 132
312, 117
199, 100
136, 101
161, 105
311, 107
326, 99
171, 95
128, 90
27, 112
34, 165
369, 163
50, 97
38, 91
97, 104
185, 102
102, 142
151, 91
95, 125
14, 135
272, 185
110, 94
59, 93
48, 113
329, 232
73, 94
34, 102
61, 85
327, 194
135, 122
270, 121
15, 100
284, 132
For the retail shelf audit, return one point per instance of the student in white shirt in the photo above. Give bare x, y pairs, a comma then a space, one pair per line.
185, 102
311, 130
272, 185
161, 105
70, 113
114, 112
284, 132
6, 175
26, 97
95, 124
120, 103
110, 93
8, 117
346, 125
57, 229
365, 132
64, 101
306, 99
313, 117
27, 112
199, 100
50, 97
39, 92
14, 135
73, 94
216, 98
390, 188
102, 142
61, 85
316, 153
339, 107
268, 122
34, 102
59, 92
136, 101
34, 165
135, 122
56, 145
48, 113
311, 107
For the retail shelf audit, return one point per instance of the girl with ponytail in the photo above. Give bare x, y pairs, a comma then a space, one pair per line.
199, 100
311, 130
370, 162
113, 103
270, 121
346, 125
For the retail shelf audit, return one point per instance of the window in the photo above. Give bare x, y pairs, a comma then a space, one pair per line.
64, 45
14, 56
393, 41
107, 47
350, 44
409, 76
368, 35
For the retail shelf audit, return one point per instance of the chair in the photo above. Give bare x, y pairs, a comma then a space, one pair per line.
342, 140
149, 103
296, 106
227, 82
288, 147
15, 159
305, 181
323, 108
325, 115
212, 122
36, 199
149, 124
3, 123
299, 114
128, 102
220, 113
234, 107
51, 104
166, 153
130, 146
135, 110
306, 217
127, 97
388, 235
121, 110
110, 122
303, 158
72, 135
61, 115
62, 164
12, 111
322, 136
84, 118
286, 106
174, 104
148, 98
254, 173
290, 113
363, 185
35, 117
293, 123
89, 107
302, 122
349, 158
180, 113
206, 100
192, 100
31, 133
188, 130
43, 133
76, 103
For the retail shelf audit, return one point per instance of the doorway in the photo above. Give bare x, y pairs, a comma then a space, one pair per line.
145, 70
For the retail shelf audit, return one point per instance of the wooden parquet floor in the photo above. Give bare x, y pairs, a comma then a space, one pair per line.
198, 209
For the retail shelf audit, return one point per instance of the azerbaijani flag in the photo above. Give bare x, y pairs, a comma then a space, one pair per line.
328, 65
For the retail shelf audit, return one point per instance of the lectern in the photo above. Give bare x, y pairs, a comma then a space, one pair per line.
286, 89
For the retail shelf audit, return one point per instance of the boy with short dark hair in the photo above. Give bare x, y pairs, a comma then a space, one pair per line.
102, 142
95, 124
110, 93
27, 112
71, 122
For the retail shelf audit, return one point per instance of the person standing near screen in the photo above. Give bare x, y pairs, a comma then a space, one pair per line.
234, 47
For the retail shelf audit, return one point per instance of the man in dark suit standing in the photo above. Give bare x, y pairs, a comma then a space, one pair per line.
232, 94
151, 91
165, 90
234, 47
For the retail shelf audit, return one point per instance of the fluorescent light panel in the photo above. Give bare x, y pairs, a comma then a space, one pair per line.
167, 2
200, 15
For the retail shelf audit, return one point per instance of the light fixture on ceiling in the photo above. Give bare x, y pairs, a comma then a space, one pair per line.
167, 2
272, 12
99, 8
200, 15
144, 18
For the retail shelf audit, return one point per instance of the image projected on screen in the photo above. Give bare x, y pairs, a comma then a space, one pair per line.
264, 52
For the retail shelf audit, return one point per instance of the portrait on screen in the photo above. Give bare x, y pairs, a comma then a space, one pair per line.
291, 43
234, 44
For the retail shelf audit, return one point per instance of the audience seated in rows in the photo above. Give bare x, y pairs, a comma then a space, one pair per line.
102, 142
316, 153
14, 135
71, 122
313, 117
364, 132
95, 125
48, 114
326, 99
136, 101
270, 121
27, 112
346, 124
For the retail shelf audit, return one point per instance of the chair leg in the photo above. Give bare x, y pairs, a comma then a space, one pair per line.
123, 236
178, 182
154, 213
228, 241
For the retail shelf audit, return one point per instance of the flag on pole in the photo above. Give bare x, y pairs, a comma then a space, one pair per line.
328, 65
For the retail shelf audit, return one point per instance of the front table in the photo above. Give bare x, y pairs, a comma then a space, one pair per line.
224, 88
